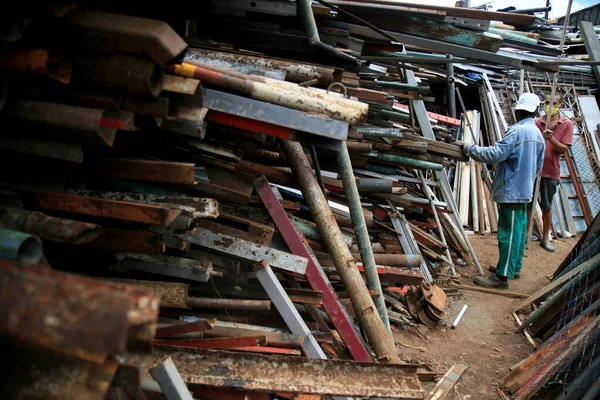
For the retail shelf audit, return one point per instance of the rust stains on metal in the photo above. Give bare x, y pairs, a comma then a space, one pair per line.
50, 228
79, 317
68, 122
124, 210
171, 294
295, 374
133, 35
125, 73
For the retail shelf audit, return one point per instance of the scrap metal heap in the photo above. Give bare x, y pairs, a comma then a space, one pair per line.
281, 188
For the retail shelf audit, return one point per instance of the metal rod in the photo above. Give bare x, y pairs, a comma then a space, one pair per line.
451, 98
360, 229
50, 228
234, 304
304, 9
437, 219
19, 246
286, 309
362, 302
459, 316
547, 126
315, 159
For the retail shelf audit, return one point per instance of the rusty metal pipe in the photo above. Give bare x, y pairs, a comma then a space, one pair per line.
233, 304
50, 228
275, 95
320, 94
394, 260
362, 302
19, 246
125, 73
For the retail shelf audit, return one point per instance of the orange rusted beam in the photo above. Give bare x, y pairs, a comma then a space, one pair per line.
144, 170
123, 210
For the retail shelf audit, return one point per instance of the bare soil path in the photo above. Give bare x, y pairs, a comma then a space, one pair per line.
487, 329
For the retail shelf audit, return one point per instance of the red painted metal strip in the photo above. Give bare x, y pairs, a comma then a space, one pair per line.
246, 124
441, 118
107, 123
219, 343
269, 350
316, 279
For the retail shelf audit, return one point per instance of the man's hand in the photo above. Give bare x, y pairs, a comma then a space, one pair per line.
459, 143
548, 134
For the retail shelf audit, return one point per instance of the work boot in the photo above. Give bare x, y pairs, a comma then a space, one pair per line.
548, 246
492, 281
492, 269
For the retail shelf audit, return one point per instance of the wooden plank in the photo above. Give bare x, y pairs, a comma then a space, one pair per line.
128, 241
144, 170
122, 210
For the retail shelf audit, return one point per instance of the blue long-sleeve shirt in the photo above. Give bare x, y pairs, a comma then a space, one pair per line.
519, 155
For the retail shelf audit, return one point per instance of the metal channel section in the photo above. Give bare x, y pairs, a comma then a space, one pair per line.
441, 176
288, 374
170, 382
314, 273
246, 250
407, 240
273, 114
286, 308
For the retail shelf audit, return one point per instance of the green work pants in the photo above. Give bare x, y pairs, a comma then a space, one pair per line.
512, 232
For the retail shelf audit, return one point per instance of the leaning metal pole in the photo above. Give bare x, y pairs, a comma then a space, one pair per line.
362, 235
363, 304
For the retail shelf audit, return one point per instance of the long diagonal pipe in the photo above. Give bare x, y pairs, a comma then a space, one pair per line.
363, 304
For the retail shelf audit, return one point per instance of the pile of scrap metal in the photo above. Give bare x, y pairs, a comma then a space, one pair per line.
565, 318
178, 167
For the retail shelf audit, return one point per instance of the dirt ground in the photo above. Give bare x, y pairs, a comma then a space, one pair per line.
486, 328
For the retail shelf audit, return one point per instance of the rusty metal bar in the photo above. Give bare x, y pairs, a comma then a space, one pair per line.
123, 210
50, 228
238, 248
21, 247
53, 310
216, 343
145, 170
129, 74
71, 152
233, 304
362, 302
70, 122
295, 374
133, 35
166, 265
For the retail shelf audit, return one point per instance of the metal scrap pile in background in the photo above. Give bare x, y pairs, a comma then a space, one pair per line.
267, 169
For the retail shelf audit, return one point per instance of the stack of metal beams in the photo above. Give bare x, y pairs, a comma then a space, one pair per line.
282, 193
